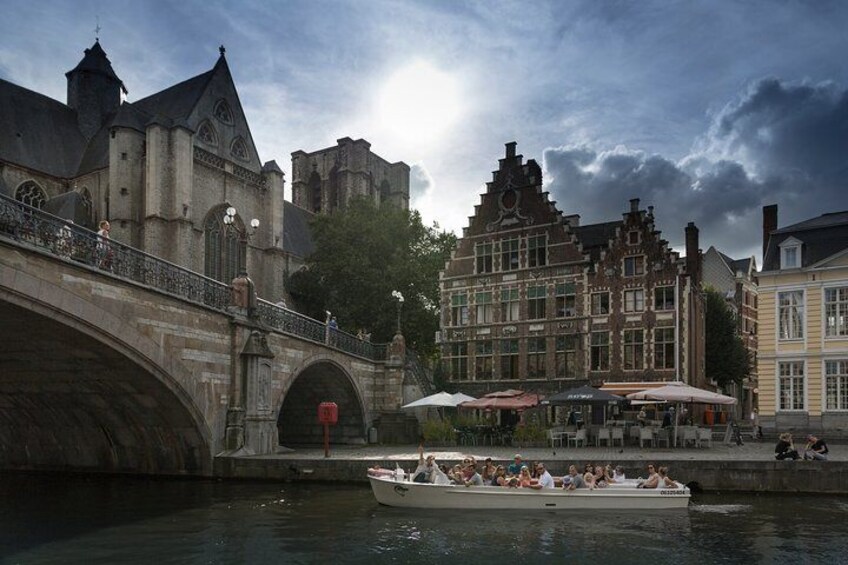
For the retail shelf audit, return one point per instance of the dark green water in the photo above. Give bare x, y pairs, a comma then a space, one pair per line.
51, 519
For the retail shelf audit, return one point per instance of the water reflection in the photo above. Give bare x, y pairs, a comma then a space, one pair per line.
103, 520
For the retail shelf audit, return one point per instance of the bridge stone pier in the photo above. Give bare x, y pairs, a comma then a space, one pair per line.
147, 368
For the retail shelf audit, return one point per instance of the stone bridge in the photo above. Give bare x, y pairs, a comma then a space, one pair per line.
137, 365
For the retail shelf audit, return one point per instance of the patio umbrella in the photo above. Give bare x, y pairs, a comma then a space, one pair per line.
459, 398
583, 395
438, 400
496, 401
679, 392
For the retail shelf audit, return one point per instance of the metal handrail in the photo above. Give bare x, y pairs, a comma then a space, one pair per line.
27, 226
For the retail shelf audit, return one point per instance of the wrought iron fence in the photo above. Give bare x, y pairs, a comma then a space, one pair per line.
28, 226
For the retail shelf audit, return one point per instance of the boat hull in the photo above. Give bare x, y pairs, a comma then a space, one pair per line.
403, 494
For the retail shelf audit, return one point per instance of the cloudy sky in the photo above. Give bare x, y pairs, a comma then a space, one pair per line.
705, 110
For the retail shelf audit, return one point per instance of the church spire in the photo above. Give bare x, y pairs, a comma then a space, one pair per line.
94, 90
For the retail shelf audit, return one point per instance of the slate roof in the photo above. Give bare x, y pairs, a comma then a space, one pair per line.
96, 61
595, 237
177, 101
822, 237
38, 132
297, 237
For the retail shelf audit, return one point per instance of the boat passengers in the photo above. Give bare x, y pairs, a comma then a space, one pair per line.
657, 479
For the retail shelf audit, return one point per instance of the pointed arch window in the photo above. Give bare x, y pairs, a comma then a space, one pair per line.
222, 112
239, 149
85, 195
206, 134
31, 194
315, 192
225, 249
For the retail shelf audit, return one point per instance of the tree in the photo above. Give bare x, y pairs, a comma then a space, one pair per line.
727, 359
362, 254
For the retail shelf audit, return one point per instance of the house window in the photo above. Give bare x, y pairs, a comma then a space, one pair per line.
789, 257
634, 266
537, 251
536, 358
459, 361
485, 308
566, 356
484, 257
836, 311
483, 361
791, 385
509, 255
633, 238
634, 350
600, 304
836, 385
664, 298
459, 309
791, 314
634, 300
536, 302
31, 194
599, 351
566, 301
225, 247
664, 348
509, 359
509, 305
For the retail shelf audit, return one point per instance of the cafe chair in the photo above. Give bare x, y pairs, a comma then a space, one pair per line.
579, 437
646, 434
617, 435
603, 435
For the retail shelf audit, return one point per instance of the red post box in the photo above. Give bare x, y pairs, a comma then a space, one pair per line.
328, 413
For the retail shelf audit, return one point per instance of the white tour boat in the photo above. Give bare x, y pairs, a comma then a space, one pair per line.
392, 491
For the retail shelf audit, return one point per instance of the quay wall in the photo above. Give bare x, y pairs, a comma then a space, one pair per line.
820, 477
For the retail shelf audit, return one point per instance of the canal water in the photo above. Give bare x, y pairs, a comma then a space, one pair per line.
85, 519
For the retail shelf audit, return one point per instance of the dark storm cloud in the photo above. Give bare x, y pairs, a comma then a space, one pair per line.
778, 143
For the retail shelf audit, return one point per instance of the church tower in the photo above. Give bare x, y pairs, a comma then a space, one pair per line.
94, 90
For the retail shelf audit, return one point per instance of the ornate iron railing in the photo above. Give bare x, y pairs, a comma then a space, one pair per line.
414, 367
31, 227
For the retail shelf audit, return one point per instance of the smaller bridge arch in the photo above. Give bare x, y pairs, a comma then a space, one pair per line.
319, 380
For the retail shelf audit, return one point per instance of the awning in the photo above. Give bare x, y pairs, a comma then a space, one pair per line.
498, 401
583, 395
680, 392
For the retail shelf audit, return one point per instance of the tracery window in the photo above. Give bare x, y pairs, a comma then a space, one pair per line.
222, 112
207, 134
239, 149
31, 194
225, 246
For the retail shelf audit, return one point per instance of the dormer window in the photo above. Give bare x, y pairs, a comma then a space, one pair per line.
790, 254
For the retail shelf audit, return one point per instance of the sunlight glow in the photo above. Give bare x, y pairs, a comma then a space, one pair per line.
419, 103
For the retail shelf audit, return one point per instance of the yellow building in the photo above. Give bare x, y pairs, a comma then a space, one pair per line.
803, 324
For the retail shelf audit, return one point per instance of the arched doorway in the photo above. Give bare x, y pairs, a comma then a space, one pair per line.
321, 382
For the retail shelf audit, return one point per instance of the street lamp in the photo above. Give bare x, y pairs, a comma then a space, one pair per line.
399, 297
230, 220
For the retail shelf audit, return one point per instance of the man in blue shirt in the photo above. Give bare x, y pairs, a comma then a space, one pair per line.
514, 468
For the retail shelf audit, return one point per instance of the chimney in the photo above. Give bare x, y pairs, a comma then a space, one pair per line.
693, 253
769, 225
573, 220
510, 149
634, 205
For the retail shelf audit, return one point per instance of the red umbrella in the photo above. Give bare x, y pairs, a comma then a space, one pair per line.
522, 401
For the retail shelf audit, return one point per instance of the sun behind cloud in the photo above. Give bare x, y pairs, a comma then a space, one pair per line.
419, 103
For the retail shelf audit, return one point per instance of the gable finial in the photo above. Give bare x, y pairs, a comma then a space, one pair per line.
97, 29
222, 50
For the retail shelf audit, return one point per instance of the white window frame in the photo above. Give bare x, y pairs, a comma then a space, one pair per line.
802, 314
636, 262
779, 389
484, 311
840, 306
790, 246
633, 305
839, 375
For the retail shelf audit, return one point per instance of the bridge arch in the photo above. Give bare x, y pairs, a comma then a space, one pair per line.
82, 389
321, 379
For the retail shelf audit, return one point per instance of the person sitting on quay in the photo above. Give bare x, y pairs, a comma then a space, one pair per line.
653, 478
514, 468
544, 480
573, 480
816, 449
785, 449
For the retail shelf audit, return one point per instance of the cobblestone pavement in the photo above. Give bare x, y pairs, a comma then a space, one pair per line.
750, 451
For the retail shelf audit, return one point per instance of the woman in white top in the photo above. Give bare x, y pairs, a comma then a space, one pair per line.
664, 480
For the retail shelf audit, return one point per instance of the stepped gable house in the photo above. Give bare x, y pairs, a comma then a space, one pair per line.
531, 299
162, 169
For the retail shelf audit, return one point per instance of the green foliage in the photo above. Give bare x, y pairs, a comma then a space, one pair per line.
727, 360
438, 430
529, 433
362, 254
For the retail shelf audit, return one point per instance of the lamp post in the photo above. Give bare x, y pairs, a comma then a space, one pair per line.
399, 297
231, 230
230, 219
